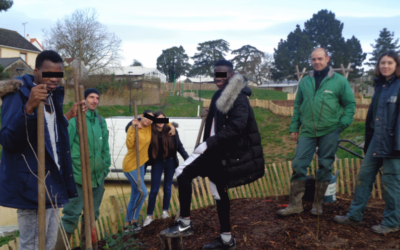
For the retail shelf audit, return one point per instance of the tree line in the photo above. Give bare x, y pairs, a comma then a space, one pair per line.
322, 30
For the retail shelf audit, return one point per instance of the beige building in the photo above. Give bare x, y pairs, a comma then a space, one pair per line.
13, 45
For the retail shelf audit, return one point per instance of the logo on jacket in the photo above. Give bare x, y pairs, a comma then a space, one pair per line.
328, 91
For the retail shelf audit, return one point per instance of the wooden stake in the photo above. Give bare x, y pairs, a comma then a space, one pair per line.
88, 175
41, 175
346, 165
85, 191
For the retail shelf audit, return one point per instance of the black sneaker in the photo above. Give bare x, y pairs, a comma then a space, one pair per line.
220, 244
134, 227
178, 230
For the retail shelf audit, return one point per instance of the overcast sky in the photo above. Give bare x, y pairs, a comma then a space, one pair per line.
148, 27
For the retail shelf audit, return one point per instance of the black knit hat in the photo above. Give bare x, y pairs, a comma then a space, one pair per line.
89, 91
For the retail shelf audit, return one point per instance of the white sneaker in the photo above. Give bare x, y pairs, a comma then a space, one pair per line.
165, 214
147, 221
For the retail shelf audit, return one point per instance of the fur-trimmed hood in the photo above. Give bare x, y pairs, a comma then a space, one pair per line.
9, 86
228, 96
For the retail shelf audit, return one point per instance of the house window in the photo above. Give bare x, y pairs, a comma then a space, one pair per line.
23, 56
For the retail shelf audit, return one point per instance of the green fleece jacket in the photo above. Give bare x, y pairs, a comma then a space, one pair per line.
99, 151
319, 113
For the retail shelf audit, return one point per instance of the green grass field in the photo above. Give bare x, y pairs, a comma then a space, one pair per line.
261, 94
274, 129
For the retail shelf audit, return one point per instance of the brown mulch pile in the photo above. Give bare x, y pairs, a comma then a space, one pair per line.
290, 103
256, 226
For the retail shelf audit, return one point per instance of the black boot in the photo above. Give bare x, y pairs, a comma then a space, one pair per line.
220, 244
297, 189
321, 189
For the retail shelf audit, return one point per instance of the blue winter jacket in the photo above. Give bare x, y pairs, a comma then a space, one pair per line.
387, 121
18, 185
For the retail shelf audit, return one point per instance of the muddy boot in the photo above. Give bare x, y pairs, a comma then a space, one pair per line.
83, 236
297, 189
321, 189
60, 245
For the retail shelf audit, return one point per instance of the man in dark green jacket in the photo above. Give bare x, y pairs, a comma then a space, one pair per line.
100, 162
324, 107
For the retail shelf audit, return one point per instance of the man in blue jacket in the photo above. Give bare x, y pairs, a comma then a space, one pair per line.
18, 136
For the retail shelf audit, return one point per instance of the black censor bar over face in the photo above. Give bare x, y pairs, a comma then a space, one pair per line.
156, 120
221, 75
52, 74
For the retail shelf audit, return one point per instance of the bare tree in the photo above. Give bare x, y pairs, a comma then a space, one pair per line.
100, 48
262, 67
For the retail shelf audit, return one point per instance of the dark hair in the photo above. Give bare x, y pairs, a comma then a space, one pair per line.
225, 63
167, 141
50, 55
396, 58
147, 111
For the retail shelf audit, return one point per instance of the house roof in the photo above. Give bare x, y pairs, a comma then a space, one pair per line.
69, 60
13, 39
5, 62
136, 70
32, 40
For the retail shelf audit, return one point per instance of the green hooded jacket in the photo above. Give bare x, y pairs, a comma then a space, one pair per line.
319, 113
99, 151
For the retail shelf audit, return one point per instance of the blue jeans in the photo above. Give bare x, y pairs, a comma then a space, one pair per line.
28, 228
168, 167
390, 184
132, 214
327, 147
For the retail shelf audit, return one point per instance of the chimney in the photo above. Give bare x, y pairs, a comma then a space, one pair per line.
27, 37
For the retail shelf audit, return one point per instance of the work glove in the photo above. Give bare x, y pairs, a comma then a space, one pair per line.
201, 148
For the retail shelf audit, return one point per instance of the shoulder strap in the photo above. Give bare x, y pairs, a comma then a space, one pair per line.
101, 122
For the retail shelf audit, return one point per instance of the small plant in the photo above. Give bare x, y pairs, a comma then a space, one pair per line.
190, 99
122, 241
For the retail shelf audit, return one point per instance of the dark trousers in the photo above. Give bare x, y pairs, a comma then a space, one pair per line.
168, 167
204, 166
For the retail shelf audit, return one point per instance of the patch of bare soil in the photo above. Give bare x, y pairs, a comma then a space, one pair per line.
256, 226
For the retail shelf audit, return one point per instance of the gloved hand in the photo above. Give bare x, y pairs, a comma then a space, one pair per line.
201, 148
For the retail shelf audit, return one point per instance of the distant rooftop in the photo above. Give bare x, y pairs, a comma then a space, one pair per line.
13, 39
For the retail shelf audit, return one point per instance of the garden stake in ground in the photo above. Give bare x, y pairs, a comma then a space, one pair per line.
80, 116
93, 230
41, 178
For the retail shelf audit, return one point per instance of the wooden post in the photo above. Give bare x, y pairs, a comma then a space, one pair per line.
41, 177
86, 208
139, 186
88, 175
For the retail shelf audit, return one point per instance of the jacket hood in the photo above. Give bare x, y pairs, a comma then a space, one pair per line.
247, 91
231, 92
9, 86
330, 72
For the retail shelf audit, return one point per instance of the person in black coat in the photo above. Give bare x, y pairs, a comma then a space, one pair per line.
382, 148
231, 154
164, 159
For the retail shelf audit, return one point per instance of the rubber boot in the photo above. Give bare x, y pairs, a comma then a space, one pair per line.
297, 189
60, 245
321, 189
83, 236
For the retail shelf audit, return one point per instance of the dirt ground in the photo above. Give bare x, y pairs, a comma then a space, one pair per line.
256, 226
290, 103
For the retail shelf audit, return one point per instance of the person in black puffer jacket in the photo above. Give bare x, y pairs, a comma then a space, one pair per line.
382, 148
231, 154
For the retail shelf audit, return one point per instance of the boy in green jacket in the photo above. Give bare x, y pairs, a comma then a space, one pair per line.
100, 162
324, 107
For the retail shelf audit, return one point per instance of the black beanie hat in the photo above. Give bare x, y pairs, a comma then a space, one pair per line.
89, 91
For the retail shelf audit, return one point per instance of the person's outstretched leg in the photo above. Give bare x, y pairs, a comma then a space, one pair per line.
364, 183
391, 194
327, 147
304, 153
169, 170
195, 165
225, 241
156, 172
